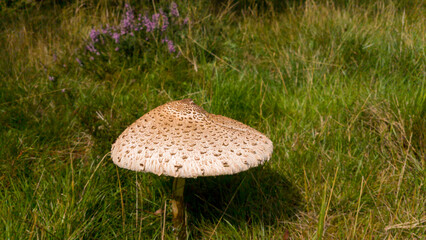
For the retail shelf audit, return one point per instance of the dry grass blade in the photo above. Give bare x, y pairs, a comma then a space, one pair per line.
163, 229
214, 55
123, 215
363, 182
229, 203
408, 225
91, 176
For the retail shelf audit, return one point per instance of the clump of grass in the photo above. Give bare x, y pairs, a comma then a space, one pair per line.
338, 87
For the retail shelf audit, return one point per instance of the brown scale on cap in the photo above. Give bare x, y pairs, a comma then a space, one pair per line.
180, 139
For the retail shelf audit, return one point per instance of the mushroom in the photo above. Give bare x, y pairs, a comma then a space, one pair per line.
180, 139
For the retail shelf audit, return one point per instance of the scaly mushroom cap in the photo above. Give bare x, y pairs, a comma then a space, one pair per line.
180, 139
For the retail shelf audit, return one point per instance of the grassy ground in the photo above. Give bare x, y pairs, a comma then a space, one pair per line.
338, 87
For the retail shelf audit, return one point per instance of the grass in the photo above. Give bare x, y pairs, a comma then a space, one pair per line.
339, 87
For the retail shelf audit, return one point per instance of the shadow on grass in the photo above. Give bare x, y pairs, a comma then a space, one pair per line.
259, 196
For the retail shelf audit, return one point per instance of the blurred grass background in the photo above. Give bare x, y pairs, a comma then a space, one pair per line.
338, 86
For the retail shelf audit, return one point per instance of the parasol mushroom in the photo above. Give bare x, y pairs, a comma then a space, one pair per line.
180, 139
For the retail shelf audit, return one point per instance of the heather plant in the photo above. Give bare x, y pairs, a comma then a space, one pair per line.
139, 39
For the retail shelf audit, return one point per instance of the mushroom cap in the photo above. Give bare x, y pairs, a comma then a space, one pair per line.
181, 139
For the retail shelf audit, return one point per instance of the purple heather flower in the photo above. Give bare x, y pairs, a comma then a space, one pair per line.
165, 22
92, 48
155, 19
174, 9
170, 45
63, 90
186, 21
94, 35
91, 58
150, 25
139, 23
128, 20
147, 23
79, 61
51, 78
116, 49
116, 37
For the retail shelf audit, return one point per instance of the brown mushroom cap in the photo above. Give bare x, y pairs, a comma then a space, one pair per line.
181, 139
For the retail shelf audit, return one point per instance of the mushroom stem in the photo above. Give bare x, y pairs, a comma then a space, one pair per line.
178, 207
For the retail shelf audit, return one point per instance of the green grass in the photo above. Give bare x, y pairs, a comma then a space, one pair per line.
338, 86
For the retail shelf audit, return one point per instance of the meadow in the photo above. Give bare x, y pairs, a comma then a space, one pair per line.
338, 86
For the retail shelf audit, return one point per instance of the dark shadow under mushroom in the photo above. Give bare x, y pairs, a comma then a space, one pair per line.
262, 196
